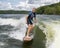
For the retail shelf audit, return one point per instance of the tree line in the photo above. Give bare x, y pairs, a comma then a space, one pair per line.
13, 12
49, 9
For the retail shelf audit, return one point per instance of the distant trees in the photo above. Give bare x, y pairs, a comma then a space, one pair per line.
13, 12
58, 10
50, 9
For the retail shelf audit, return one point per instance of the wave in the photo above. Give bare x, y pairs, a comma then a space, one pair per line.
56, 42
20, 33
19, 24
50, 28
14, 28
9, 21
12, 22
52, 32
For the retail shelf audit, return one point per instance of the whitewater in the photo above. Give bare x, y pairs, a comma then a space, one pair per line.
52, 32
56, 40
20, 25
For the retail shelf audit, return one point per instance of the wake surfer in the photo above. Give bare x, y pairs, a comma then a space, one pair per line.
29, 20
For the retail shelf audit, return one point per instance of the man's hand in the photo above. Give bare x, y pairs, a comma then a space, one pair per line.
35, 21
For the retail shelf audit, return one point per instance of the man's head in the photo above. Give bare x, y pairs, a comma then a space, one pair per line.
34, 10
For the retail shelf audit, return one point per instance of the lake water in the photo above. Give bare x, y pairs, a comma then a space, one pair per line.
46, 31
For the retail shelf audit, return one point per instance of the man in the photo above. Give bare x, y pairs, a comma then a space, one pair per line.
29, 20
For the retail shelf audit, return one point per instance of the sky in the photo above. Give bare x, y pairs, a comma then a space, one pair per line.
24, 4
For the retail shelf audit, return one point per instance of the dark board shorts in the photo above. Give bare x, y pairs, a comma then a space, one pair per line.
29, 22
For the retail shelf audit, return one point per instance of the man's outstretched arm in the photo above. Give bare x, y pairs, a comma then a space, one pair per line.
35, 20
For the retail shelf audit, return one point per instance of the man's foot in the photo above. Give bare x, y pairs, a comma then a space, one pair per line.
27, 38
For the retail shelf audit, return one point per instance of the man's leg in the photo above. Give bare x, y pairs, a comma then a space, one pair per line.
30, 27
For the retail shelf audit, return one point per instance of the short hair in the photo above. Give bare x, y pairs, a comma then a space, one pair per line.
34, 8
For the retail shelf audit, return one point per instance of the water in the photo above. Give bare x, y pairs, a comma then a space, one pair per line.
50, 24
13, 28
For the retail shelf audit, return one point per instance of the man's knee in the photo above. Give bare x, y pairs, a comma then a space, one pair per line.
31, 26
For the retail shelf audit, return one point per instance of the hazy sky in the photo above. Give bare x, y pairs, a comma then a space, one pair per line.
24, 4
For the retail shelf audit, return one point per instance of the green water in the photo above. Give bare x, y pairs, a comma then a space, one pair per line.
38, 41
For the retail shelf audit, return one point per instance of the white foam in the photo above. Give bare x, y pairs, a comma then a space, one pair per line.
7, 21
56, 29
56, 42
3, 44
19, 34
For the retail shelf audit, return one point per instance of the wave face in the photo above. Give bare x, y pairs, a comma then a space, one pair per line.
52, 34
56, 42
51, 28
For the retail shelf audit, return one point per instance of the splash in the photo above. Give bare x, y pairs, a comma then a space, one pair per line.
52, 32
56, 42
8, 21
20, 34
